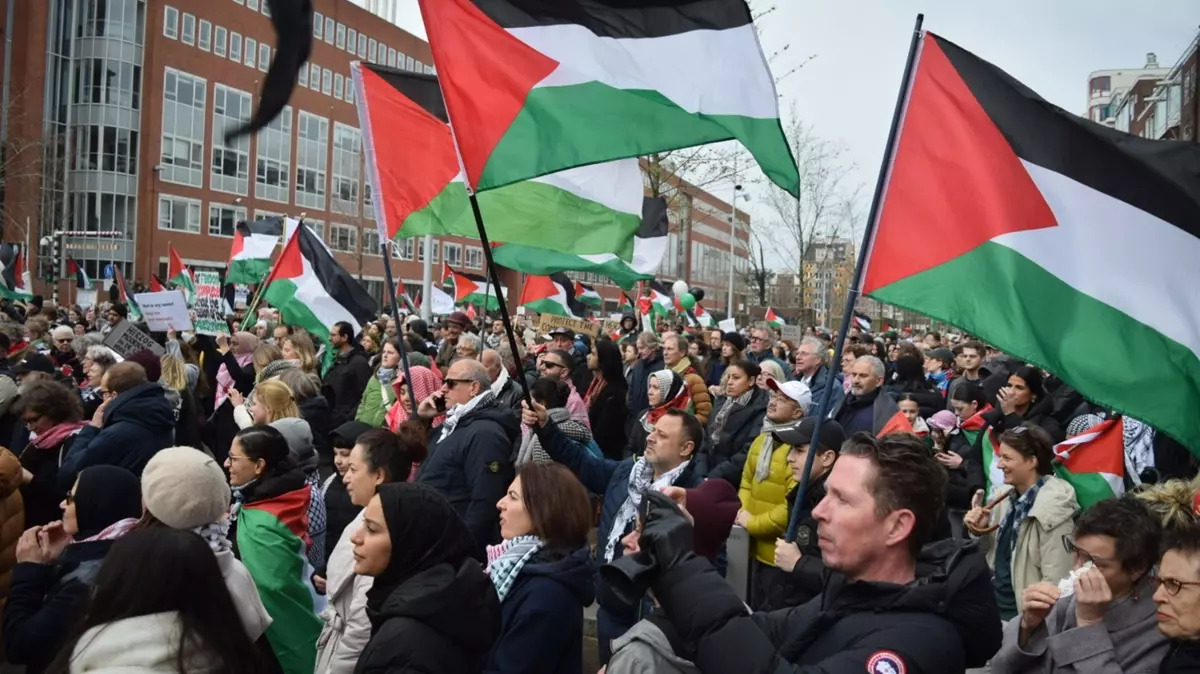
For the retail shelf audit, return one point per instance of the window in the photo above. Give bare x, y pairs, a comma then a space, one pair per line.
453, 253
328, 30
230, 162
421, 251
250, 50
302, 77
340, 43
474, 258
318, 23
189, 29
239, 1
235, 46
317, 227
351, 39
171, 22
205, 35
368, 205
105, 148
274, 162
338, 82
266, 8
253, 4
418, 66
179, 214
220, 38
314, 77
343, 238
183, 129
264, 56
391, 58
408, 63
403, 249
312, 150
370, 241
362, 46
372, 46
108, 82
350, 88
347, 155
222, 219
326, 81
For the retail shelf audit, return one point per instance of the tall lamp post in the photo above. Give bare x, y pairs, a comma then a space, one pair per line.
733, 227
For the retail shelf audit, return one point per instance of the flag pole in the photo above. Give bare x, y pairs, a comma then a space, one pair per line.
391, 292
855, 289
262, 285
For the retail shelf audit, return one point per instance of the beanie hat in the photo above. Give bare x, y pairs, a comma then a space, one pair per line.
299, 438
184, 488
737, 341
151, 363
713, 506
943, 420
346, 435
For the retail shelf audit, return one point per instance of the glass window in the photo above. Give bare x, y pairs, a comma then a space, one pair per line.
266, 8
403, 249
370, 241
338, 82
418, 66
391, 57
230, 161
314, 77
179, 214
171, 22
326, 81
362, 46
317, 227
220, 38
273, 168
312, 151
252, 4
105, 148
318, 24
205, 35
453, 253
235, 46
108, 82
189, 29
474, 258
372, 47
264, 56
409, 63
239, 1
341, 36
302, 76
351, 39
368, 205
251, 50
183, 128
222, 219
343, 238
347, 157
329, 30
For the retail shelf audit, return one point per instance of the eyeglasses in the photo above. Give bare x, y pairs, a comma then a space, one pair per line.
234, 457
451, 383
1081, 554
1172, 585
64, 341
758, 339
104, 393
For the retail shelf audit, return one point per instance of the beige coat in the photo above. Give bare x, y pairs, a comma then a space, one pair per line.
347, 628
1039, 554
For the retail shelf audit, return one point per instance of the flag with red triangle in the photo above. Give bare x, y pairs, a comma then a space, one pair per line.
471, 311
547, 295
773, 319
179, 275
1094, 462
156, 286
135, 312
82, 280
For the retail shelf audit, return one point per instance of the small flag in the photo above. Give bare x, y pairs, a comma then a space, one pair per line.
156, 286
588, 295
703, 317
626, 305
773, 319
82, 280
253, 244
179, 275
1094, 462
472, 289
547, 295
14, 282
135, 312
863, 322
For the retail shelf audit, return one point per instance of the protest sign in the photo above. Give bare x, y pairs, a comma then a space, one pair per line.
727, 325
241, 295
791, 333
126, 339
163, 311
547, 322
210, 305
610, 326
85, 297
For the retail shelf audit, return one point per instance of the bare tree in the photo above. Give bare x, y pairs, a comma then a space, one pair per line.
758, 276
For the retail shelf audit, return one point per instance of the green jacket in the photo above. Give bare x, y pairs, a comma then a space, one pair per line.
377, 399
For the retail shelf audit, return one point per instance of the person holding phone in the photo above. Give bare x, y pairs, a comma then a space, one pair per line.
1024, 401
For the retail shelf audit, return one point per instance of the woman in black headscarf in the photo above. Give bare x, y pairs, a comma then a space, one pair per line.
431, 606
57, 562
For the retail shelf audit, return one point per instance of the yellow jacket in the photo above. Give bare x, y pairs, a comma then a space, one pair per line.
766, 501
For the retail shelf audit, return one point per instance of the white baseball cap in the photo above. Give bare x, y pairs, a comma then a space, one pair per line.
795, 390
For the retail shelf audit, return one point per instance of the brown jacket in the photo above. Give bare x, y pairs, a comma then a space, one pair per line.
701, 400
12, 520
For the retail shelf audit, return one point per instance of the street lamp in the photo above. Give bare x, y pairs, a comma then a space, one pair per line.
733, 225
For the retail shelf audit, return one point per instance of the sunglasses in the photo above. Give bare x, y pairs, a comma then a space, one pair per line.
547, 365
451, 383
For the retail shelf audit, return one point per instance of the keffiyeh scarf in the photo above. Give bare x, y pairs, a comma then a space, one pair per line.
506, 560
763, 468
216, 534
641, 479
481, 401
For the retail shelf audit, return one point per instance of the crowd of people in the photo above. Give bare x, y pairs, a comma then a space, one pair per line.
427, 498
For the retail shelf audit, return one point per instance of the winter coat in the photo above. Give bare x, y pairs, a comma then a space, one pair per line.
610, 479
807, 578
12, 520
43, 494
443, 619
944, 623
1038, 414
187, 421
852, 414
929, 399
344, 384
241, 587
639, 395
510, 395
608, 413
1182, 658
766, 501
347, 629
726, 458
645, 649
339, 513
472, 467
541, 617
137, 424
147, 644
817, 385
316, 412
46, 601
376, 400
1127, 640
701, 400
1038, 554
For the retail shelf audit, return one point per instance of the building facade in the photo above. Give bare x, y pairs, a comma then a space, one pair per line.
1105, 88
1163, 106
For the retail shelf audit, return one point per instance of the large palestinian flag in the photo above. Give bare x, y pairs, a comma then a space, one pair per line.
535, 87
135, 312
272, 537
1061, 241
313, 291
254, 242
418, 187
474, 289
547, 295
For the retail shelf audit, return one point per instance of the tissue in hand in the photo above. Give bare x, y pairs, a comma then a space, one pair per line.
1066, 586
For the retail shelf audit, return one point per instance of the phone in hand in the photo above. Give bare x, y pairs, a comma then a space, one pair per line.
439, 402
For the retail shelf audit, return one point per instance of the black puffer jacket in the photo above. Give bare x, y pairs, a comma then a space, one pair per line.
343, 385
725, 458
945, 621
1038, 414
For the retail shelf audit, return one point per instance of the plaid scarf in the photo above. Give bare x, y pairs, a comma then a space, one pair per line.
506, 560
641, 479
718, 424
1021, 505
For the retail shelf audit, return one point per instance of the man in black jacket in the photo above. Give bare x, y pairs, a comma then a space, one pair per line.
891, 606
347, 379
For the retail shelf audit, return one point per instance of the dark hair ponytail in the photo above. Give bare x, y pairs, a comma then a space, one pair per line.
266, 443
394, 453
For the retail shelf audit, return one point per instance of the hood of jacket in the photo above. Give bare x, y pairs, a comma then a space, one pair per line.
144, 405
501, 415
1055, 503
299, 438
953, 581
355, 351
572, 569
459, 603
317, 404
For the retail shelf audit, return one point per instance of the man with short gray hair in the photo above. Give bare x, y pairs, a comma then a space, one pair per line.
811, 371
867, 407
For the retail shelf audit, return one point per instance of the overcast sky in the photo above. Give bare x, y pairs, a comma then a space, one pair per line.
847, 92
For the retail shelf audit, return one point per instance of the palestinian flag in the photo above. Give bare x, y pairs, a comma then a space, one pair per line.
471, 311
156, 285
272, 538
773, 319
447, 276
547, 295
313, 291
649, 246
1063, 242
704, 318
473, 289
402, 295
179, 275
538, 87
417, 184
135, 312
625, 304
588, 295
253, 244
660, 298
1094, 462
14, 282
82, 280
863, 321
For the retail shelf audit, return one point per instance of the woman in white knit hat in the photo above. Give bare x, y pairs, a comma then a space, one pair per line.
184, 488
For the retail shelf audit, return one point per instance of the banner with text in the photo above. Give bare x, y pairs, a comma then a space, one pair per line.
209, 307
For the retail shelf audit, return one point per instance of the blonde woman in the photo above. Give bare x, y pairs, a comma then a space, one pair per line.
273, 400
299, 347
174, 377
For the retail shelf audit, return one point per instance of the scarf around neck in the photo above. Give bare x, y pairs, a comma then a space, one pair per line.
763, 468
718, 423
641, 479
55, 436
498, 385
506, 560
456, 414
